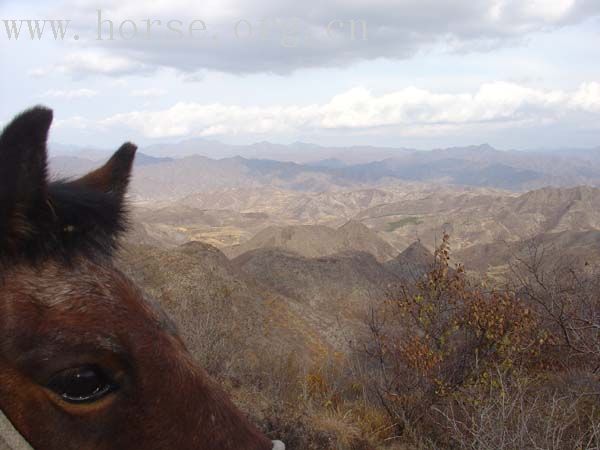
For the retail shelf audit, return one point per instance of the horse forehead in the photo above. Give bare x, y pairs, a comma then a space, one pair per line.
83, 287
53, 284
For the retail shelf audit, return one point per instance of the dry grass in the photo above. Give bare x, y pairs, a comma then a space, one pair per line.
458, 368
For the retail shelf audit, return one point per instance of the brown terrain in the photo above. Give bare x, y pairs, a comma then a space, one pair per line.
301, 250
273, 270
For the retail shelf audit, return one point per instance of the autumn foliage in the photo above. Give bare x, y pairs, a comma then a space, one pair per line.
447, 360
447, 357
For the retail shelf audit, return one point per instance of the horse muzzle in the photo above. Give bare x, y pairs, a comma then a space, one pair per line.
278, 445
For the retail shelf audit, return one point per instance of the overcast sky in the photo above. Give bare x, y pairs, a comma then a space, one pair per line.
408, 73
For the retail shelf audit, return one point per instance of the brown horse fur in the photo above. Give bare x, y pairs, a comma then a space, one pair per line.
63, 305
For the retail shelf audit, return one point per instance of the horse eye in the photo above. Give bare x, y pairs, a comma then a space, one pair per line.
82, 384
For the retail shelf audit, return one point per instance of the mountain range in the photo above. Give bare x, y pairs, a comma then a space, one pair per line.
318, 241
160, 177
494, 204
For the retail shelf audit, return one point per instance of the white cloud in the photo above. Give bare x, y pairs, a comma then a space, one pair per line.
412, 110
493, 102
587, 98
215, 119
70, 94
39, 72
288, 35
149, 93
74, 123
84, 63
533, 11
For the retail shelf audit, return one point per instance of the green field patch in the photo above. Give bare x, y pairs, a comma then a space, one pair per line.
393, 226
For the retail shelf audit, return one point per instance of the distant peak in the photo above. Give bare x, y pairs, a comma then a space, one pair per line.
471, 148
303, 145
262, 143
192, 247
416, 252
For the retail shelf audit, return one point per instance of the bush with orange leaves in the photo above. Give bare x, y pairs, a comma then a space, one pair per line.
442, 335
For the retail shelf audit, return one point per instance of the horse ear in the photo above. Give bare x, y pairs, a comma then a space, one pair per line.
91, 209
23, 174
113, 177
62, 218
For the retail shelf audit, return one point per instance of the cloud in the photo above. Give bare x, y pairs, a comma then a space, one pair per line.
185, 119
75, 123
493, 102
149, 93
283, 36
587, 98
70, 94
93, 62
412, 110
39, 72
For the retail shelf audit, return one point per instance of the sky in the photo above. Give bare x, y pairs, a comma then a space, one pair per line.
517, 74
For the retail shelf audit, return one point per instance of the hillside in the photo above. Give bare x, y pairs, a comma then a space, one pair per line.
309, 304
575, 248
334, 293
332, 283
479, 218
318, 240
213, 301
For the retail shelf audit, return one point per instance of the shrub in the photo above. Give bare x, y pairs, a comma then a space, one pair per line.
441, 336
